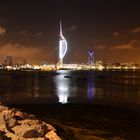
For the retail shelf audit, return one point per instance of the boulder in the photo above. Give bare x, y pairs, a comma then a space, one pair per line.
11, 122
31, 134
3, 126
51, 135
21, 116
50, 127
7, 120
2, 108
17, 125
31, 129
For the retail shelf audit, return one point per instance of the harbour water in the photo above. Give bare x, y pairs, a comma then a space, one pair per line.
64, 86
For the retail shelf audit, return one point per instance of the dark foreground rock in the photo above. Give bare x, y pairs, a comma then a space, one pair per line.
17, 125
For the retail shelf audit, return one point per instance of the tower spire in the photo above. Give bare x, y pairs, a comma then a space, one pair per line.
60, 28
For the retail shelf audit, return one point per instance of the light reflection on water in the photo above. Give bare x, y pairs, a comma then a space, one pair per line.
90, 87
62, 87
70, 86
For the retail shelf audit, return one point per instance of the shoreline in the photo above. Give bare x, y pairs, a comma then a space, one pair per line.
88, 121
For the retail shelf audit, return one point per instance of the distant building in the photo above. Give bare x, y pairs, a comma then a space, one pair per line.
8, 61
90, 57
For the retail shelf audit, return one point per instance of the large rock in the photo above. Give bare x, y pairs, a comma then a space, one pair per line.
51, 135
21, 116
3, 108
7, 120
17, 125
32, 128
3, 126
11, 122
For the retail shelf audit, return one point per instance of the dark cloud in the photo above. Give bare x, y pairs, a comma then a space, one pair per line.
101, 46
130, 45
20, 52
2, 31
40, 34
3, 20
73, 28
116, 35
24, 32
136, 30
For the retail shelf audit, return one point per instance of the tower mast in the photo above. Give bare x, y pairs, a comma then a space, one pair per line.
60, 28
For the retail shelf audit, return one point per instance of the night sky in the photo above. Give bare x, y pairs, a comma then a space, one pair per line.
29, 29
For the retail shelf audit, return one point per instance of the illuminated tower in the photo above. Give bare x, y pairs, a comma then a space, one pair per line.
62, 46
90, 57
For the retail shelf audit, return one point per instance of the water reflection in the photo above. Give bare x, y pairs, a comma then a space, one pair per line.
36, 86
62, 86
70, 86
90, 88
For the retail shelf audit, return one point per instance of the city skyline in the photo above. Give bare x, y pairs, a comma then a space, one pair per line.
30, 30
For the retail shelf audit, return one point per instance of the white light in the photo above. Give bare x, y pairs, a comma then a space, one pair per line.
101, 67
62, 48
62, 86
63, 98
63, 94
62, 45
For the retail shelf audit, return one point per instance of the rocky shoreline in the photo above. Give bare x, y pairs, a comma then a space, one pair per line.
72, 122
17, 125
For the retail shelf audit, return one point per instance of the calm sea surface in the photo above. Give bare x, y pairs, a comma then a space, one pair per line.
65, 86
